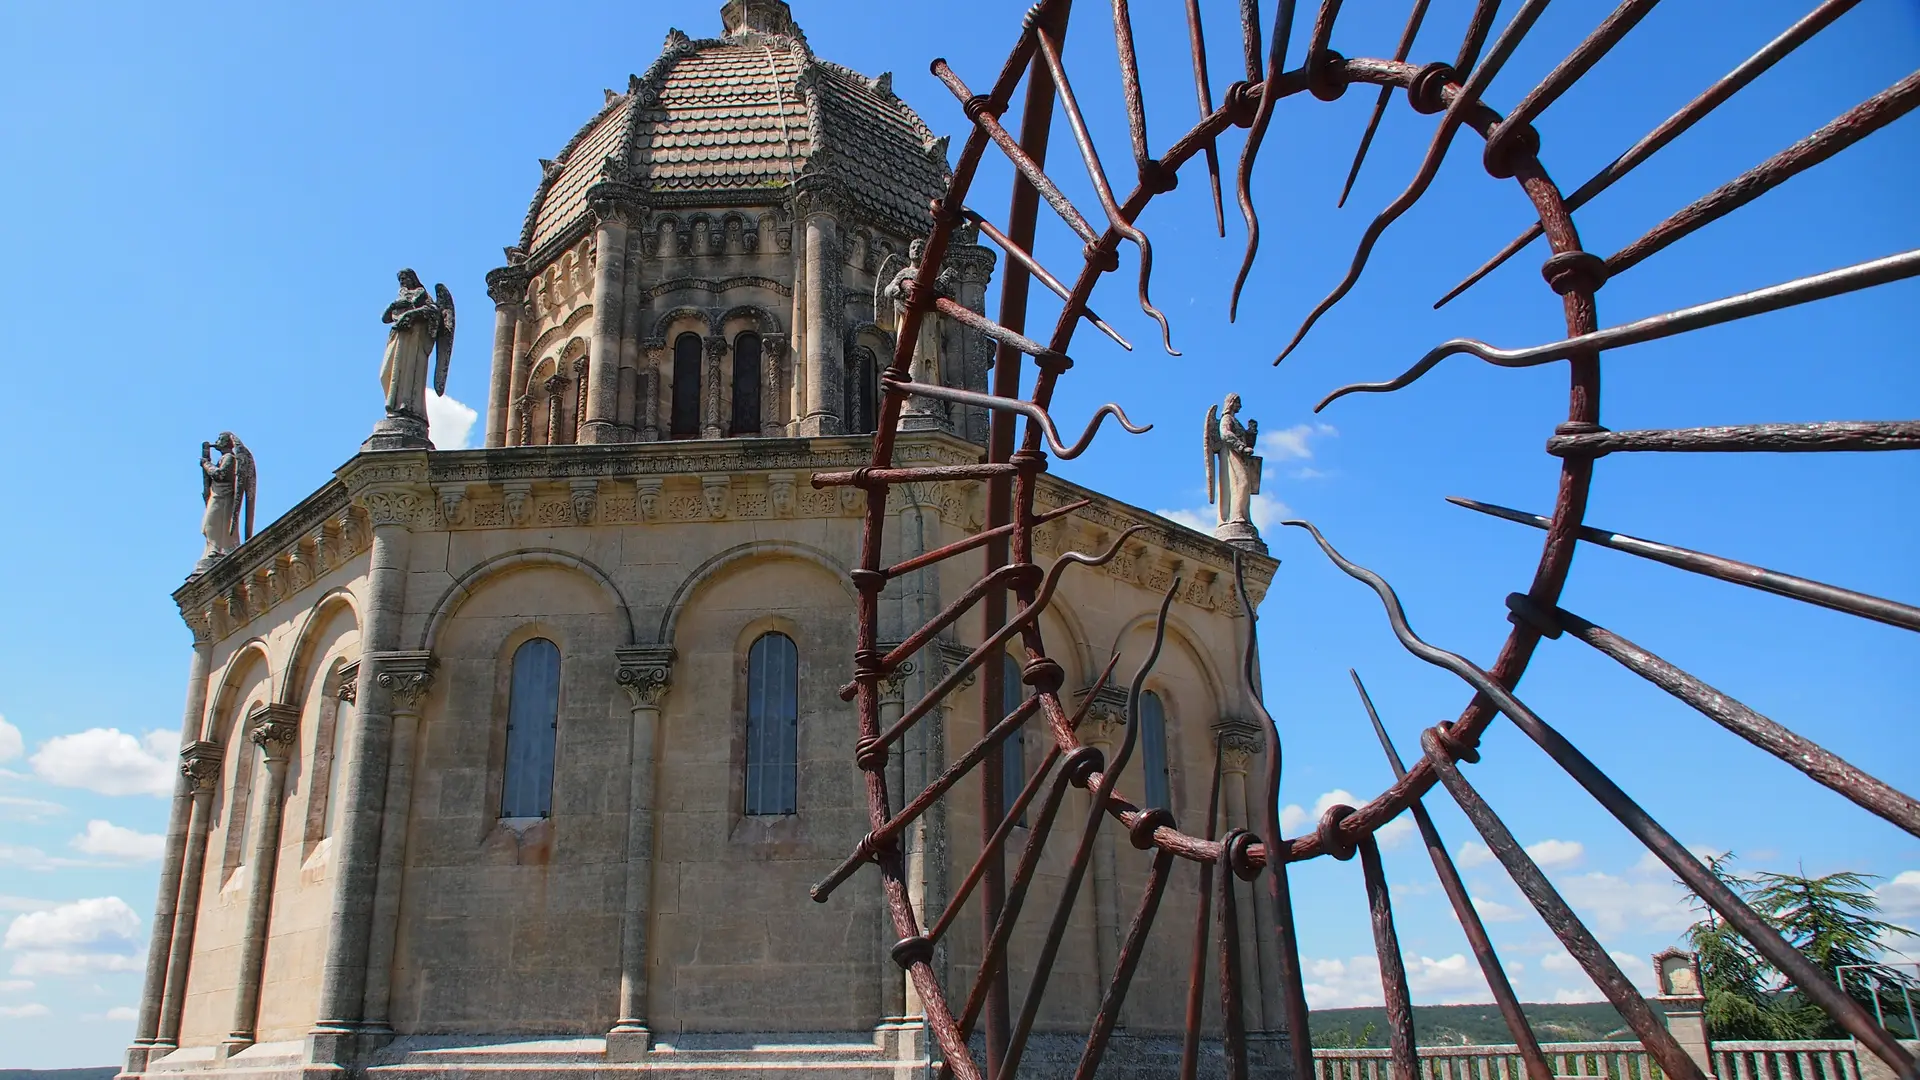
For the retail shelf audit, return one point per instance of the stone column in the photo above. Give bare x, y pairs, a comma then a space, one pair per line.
556, 387
507, 285
773, 351
274, 728
645, 672
797, 325
713, 418
1676, 973
147, 1026
200, 762
610, 209
1238, 747
1104, 728
825, 351
650, 391
407, 677
392, 510
974, 263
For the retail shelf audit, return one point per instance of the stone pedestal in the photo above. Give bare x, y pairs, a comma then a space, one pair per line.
398, 433
1240, 534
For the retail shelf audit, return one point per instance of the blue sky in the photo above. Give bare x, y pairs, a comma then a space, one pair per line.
207, 205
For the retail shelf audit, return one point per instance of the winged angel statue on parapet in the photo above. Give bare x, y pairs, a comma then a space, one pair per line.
421, 325
1233, 469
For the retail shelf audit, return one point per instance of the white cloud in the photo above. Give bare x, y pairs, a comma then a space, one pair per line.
1495, 911
109, 761
1556, 852
1267, 512
1900, 898
122, 1013
1295, 819
32, 858
1198, 520
22, 903
1610, 904
83, 937
112, 841
15, 986
1473, 853
11, 745
22, 1012
21, 808
1294, 443
1334, 984
449, 422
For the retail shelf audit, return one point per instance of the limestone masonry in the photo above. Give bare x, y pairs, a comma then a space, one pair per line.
520, 760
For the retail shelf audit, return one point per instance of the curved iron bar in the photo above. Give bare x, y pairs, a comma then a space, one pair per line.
1767, 941
1772, 298
1414, 19
1262, 116
1032, 412
1463, 101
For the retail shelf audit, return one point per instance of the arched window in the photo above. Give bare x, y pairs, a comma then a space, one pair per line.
773, 725
337, 765
862, 394
240, 794
687, 350
1013, 752
1153, 751
746, 384
533, 719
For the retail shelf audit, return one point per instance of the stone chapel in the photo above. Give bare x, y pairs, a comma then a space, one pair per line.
521, 759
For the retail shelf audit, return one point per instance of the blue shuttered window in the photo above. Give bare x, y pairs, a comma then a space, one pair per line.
1013, 752
684, 420
773, 725
533, 717
746, 384
1153, 751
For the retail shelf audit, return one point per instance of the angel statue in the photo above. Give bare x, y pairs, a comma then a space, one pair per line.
1233, 470
421, 325
226, 486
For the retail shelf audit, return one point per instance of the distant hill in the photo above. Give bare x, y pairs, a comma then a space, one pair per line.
1469, 1025
105, 1072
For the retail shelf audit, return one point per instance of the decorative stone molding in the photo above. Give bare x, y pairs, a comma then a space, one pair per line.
349, 688
1106, 717
274, 728
646, 497
714, 489
407, 507
645, 672
200, 761
583, 494
453, 498
407, 675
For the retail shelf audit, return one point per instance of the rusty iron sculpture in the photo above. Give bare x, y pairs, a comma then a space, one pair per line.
1014, 460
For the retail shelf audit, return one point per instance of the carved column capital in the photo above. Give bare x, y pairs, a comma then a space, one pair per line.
507, 285
407, 506
200, 622
1239, 741
407, 675
555, 383
613, 202
1106, 716
893, 687
952, 655
819, 195
274, 727
645, 672
349, 688
200, 761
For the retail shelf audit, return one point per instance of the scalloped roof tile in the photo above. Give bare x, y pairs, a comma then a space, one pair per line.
739, 119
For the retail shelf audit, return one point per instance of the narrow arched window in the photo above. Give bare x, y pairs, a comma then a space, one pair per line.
862, 392
746, 384
773, 725
1153, 751
533, 720
1013, 752
687, 350
337, 765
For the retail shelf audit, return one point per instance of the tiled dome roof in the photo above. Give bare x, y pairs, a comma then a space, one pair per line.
736, 121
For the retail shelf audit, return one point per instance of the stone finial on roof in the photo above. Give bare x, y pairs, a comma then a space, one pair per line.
761, 16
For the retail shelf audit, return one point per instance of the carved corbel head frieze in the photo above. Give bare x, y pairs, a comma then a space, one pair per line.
780, 493
646, 497
514, 494
200, 762
274, 728
645, 672
453, 500
584, 495
408, 676
714, 489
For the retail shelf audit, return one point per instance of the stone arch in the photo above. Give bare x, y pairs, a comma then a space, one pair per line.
764, 321
734, 556
464, 586
563, 328
663, 324
1081, 659
293, 676
1181, 636
224, 687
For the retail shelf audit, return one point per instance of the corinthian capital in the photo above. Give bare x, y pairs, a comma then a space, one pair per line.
507, 285
1239, 741
645, 672
408, 676
274, 728
200, 761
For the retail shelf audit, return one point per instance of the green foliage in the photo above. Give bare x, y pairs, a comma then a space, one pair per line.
1343, 1037
1470, 1025
1830, 920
